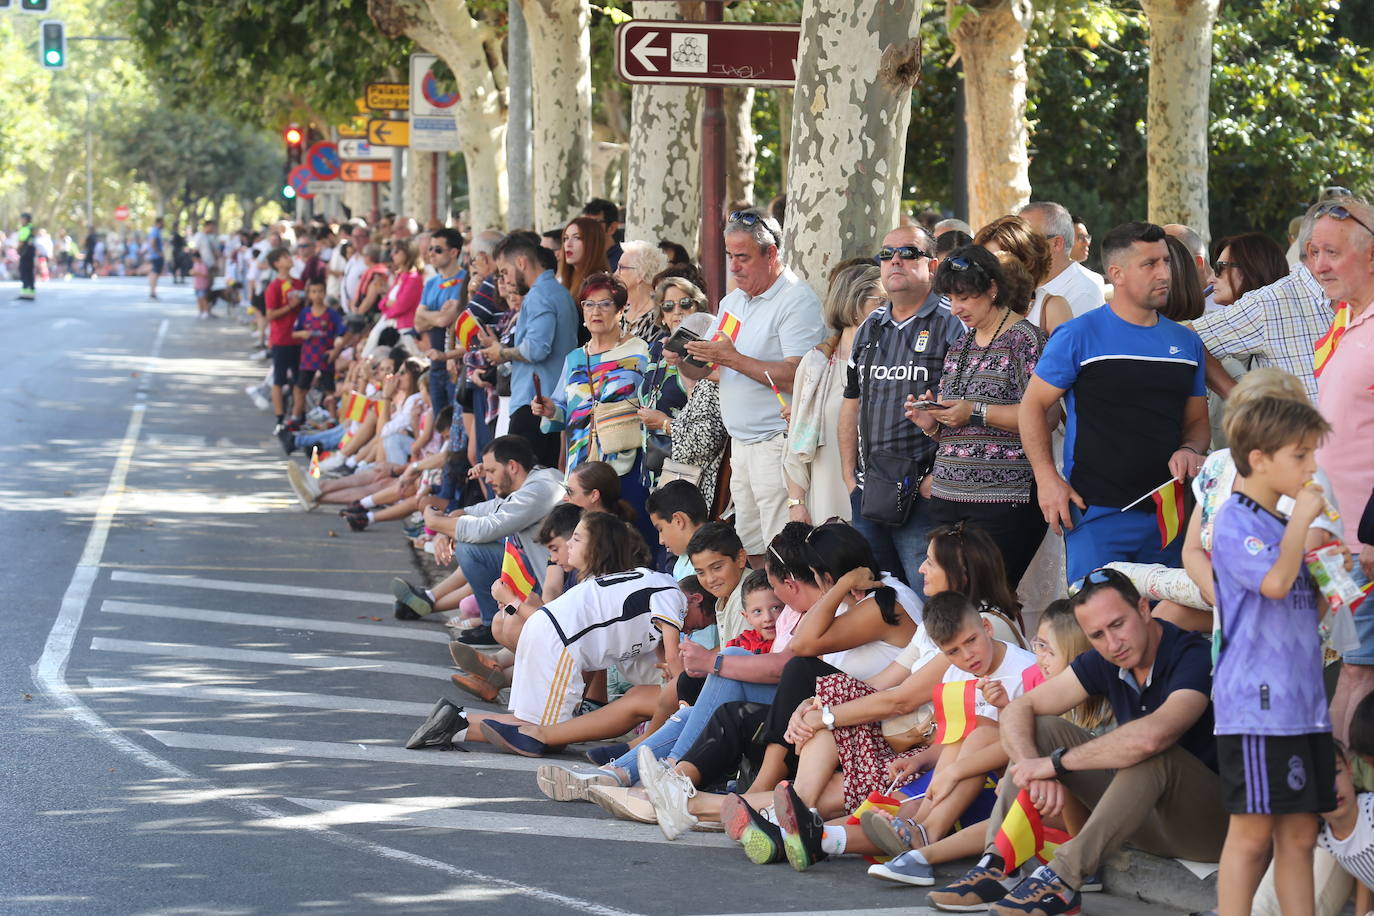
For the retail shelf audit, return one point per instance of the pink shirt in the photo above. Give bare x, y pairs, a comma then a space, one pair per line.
403, 298
1345, 396
786, 626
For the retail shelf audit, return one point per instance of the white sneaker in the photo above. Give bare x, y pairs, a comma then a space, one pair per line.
299, 485
669, 792
333, 462
255, 394
564, 784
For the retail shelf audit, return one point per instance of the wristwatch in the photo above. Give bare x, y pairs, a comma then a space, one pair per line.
720, 659
511, 609
793, 503
1057, 761
828, 718
979, 417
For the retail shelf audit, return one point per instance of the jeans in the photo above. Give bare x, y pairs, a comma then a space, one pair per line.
440, 386
899, 551
681, 730
327, 440
481, 565
397, 446
1103, 534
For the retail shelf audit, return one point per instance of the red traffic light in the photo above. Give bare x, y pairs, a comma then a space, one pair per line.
294, 135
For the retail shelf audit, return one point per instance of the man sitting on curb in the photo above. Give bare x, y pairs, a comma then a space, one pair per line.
1151, 782
475, 536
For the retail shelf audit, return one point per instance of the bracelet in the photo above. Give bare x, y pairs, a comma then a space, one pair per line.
1189, 448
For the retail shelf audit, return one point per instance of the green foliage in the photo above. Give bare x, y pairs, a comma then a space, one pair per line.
264, 61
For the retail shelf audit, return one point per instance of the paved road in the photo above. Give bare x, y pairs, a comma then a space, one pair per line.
204, 713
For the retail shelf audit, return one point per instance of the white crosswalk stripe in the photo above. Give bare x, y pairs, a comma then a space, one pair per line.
173, 612
256, 588
261, 656
194, 691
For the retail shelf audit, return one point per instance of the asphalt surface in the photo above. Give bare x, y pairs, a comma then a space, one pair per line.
204, 694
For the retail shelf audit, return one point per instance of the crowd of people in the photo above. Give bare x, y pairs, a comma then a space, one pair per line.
978, 549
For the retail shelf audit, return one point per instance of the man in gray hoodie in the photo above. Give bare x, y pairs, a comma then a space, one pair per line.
476, 536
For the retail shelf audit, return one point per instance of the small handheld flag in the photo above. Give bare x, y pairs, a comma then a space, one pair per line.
1168, 501
1325, 348
1023, 835
315, 462
356, 407
514, 573
955, 711
729, 327
776, 393
467, 329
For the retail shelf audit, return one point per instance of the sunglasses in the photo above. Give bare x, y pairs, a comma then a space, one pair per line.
1099, 577
434, 250
687, 304
963, 264
1341, 212
745, 218
1223, 266
904, 252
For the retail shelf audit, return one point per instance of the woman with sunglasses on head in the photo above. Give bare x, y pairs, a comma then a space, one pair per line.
981, 472
682, 414
608, 370
811, 464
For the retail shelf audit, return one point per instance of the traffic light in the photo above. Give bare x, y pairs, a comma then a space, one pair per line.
32, 6
295, 145
52, 43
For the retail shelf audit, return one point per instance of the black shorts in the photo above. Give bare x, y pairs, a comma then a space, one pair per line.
286, 363
322, 379
1277, 774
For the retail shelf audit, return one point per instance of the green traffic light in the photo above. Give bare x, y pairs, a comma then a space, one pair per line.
53, 57
288, 192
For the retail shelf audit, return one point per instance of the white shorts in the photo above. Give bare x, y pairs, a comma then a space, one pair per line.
547, 683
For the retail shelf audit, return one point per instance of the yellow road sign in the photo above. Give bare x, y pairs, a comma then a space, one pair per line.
353, 129
388, 133
388, 96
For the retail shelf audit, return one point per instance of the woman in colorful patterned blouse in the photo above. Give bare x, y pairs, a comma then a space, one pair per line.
981, 472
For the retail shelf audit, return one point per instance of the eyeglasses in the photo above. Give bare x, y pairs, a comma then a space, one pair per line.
1342, 213
434, 250
686, 304
905, 252
603, 305
1039, 646
745, 218
1223, 266
1098, 577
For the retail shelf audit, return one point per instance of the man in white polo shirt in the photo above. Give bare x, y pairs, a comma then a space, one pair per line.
780, 319
1067, 278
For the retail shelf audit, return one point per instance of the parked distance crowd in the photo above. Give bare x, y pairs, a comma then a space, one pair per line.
970, 554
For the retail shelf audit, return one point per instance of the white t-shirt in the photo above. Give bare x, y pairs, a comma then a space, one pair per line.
1009, 672
399, 421
616, 618
863, 662
1080, 286
352, 276
1355, 852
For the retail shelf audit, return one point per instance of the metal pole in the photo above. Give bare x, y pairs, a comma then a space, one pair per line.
519, 128
713, 182
90, 179
398, 162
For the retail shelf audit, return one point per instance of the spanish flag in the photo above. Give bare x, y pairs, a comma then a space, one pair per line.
955, 714
315, 462
1325, 348
514, 573
355, 407
1168, 501
466, 331
1023, 835
729, 327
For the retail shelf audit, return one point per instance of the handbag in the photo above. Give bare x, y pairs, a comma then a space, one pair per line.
679, 470
657, 449
616, 426
892, 480
913, 730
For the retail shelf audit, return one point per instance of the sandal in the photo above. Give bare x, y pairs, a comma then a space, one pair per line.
893, 835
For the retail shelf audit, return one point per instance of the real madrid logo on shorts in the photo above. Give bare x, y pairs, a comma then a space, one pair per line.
1297, 773
922, 341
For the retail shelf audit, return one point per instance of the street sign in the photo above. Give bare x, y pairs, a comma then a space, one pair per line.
299, 179
323, 159
375, 170
427, 98
388, 96
354, 149
121, 213
326, 188
707, 53
388, 133
434, 135
354, 128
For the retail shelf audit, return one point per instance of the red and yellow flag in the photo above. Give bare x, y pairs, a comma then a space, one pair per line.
729, 327
1325, 348
1023, 835
355, 407
315, 462
514, 573
466, 330
1168, 501
955, 715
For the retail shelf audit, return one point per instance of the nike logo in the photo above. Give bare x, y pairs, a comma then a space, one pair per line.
1174, 351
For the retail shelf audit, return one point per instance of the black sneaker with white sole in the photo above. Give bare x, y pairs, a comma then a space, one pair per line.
412, 598
478, 636
444, 721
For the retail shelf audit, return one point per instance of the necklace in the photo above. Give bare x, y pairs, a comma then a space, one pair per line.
962, 365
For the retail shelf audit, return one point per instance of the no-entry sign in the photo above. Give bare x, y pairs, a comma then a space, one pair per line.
707, 53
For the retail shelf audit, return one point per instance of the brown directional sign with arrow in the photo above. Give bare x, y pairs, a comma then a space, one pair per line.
707, 53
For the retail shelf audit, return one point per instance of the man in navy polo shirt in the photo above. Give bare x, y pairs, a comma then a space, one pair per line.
1135, 392
1150, 782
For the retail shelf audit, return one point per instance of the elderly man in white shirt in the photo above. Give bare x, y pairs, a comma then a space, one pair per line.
356, 265
1067, 278
780, 320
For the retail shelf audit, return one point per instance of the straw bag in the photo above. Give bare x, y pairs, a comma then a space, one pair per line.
617, 427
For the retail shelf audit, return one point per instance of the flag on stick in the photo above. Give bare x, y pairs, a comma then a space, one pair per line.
355, 407
315, 462
1168, 501
467, 329
955, 714
515, 573
729, 327
1325, 348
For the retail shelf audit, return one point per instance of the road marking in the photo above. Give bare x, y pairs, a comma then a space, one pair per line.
111, 606
261, 588
334, 750
258, 697
336, 813
50, 670
264, 657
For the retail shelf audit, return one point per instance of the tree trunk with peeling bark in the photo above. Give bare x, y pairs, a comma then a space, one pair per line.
1180, 84
991, 43
664, 182
739, 143
447, 28
856, 65
560, 59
